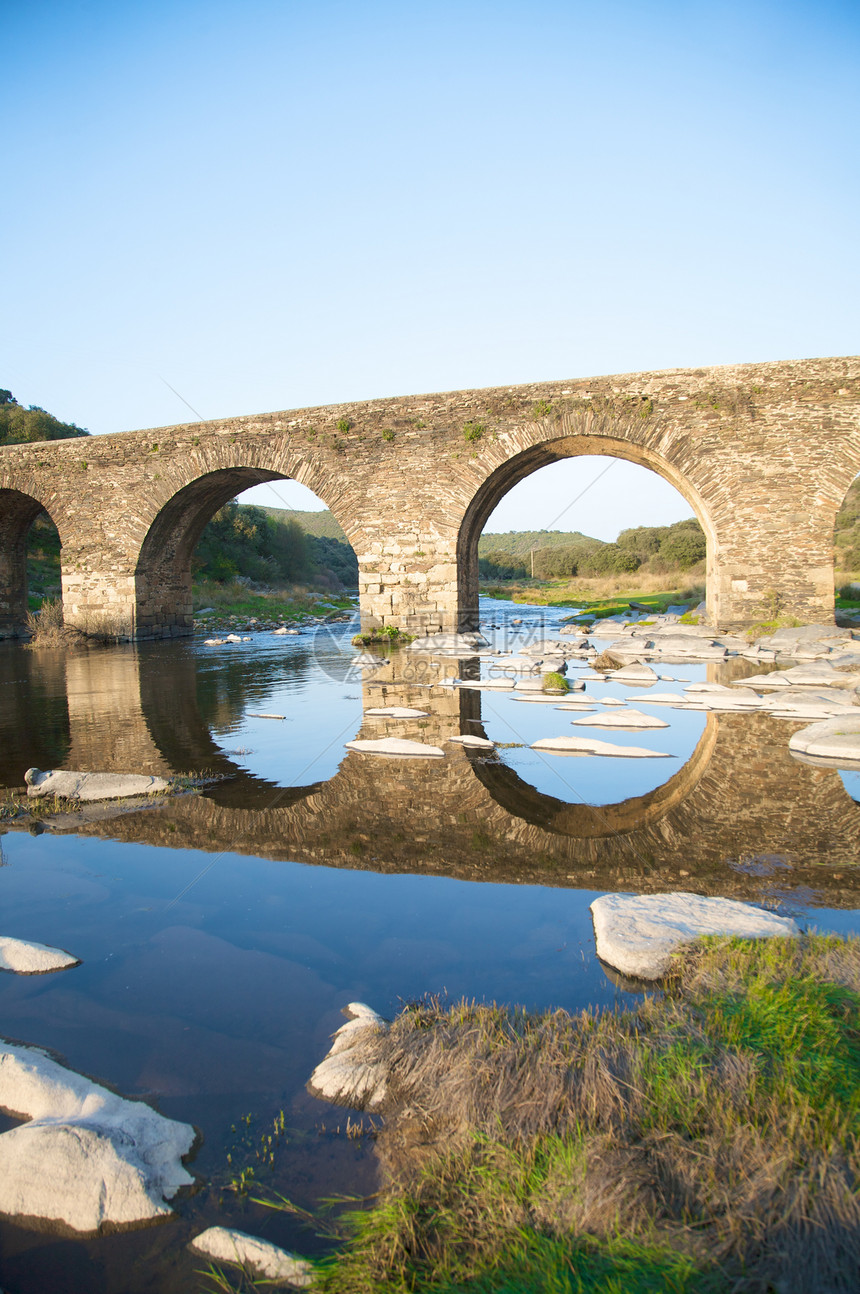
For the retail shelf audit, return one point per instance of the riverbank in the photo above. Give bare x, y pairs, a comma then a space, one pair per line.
236, 606
708, 1140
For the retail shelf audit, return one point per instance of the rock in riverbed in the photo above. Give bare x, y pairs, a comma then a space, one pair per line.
591, 746
265, 1260
399, 746
27, 958
837, 739
622, 718
396, 712
638, 933
87, 1157
69, 785
351, 1073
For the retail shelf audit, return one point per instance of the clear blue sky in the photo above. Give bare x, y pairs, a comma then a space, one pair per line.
269, 205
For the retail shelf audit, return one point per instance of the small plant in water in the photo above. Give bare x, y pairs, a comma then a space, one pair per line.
554, 682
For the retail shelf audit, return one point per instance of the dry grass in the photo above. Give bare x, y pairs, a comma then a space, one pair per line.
48, 628
712, 1138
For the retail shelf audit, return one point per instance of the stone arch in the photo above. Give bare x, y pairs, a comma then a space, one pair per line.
552, 450
18, 510
162, 575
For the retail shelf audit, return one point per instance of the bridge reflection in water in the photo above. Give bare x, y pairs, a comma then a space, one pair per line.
728, 821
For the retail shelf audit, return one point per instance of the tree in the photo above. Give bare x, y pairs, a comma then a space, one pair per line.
19, 426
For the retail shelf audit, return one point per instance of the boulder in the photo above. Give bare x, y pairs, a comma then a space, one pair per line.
549, 648
488, 684
396, 712
27, 958
836, 739
659, 698
517, 665
87, 1157
350, 1074
638, 933
265, 1260
624, 718
398, 746
449, 644
591, 746
635, 673
69, 785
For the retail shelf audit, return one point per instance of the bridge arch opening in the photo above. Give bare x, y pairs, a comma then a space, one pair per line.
688, 553
26, 530
204, 531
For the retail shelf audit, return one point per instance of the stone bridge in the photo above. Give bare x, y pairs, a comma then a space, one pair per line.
763, 453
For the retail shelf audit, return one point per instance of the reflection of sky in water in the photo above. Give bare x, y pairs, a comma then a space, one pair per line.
851, 782
591, 779
320, 699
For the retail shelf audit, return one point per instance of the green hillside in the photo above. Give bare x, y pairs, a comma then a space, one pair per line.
322, 525
20, 426
519, 543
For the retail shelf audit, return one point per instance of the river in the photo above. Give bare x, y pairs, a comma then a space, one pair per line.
221, 933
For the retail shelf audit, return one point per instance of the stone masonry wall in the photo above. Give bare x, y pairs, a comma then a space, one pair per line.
763, 453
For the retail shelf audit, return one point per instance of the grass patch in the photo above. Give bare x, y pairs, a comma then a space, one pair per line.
597, 597
763, 628
390, 635
554, 682
709, 1140
235, 601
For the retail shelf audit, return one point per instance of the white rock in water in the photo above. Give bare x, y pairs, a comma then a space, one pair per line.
461, 644
538, 695
397, 712
349, 1074
366, 660
659, 698
266, 1260
478, 743
517, 665
712, 687
275, 634
451, 681
27, 958
591, 746
394, 746
488, 684
676, 644
637, 933
816, 674
622, 719
547, 648
91, 786
610, 700
87, 1156
633, 674
837, 739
